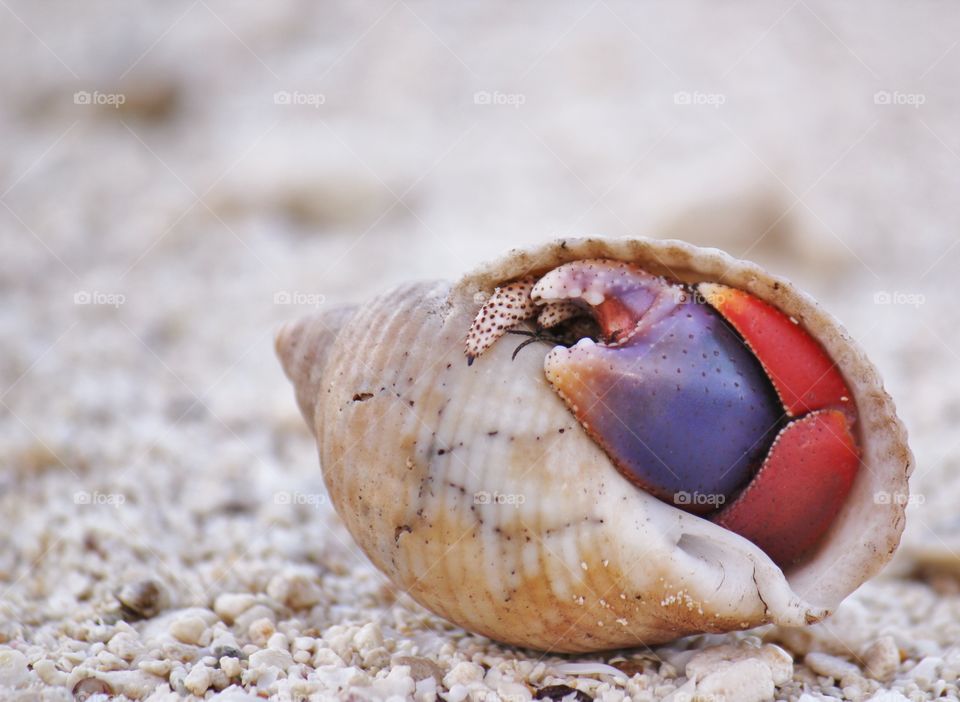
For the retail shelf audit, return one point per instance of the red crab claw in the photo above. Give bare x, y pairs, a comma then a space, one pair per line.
788, 507
804, 481
805, 377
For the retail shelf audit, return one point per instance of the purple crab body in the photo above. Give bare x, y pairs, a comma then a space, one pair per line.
682, 407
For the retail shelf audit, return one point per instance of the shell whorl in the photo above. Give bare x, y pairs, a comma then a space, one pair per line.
476, 491
303, 347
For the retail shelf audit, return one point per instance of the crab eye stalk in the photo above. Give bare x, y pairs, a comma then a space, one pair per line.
703, 396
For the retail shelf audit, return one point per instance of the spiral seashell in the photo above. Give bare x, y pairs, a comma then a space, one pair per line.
475, 467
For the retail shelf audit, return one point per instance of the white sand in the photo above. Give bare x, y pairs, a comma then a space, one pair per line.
150, 436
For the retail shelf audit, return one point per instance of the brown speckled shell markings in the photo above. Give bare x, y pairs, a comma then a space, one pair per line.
409, 436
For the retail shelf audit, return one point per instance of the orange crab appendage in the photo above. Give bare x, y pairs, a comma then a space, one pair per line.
807, 475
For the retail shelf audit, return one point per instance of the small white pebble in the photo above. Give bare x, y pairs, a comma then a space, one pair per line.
13, 668
883, 696
457, 693
269, 657
852, 692
125, 645
749, 680
49, 673
368, 637
198, 679
327, 657
278, 641
707, 661
882, 658
779, 661
229, 606
231, 666
830, 666
592, 668
926, 672
463, 673
295, 590
304, 643
160, 668
517, 692
260, 631
258, 611
188, 630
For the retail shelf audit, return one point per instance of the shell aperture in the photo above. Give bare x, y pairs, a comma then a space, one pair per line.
677, 402
689, 391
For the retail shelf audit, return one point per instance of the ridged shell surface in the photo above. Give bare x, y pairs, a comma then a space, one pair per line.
475, 490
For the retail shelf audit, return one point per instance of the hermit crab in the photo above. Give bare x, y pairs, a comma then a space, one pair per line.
603, 443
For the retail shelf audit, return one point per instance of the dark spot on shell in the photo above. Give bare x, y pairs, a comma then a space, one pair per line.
362, 396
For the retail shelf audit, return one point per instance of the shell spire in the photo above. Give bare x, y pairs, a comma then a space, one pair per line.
303, 347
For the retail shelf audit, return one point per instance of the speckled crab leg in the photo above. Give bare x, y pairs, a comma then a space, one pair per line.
508, 306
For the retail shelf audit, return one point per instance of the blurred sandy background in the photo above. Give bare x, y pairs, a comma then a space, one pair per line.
178, 178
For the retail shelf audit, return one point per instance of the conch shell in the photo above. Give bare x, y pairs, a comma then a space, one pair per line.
477, 490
